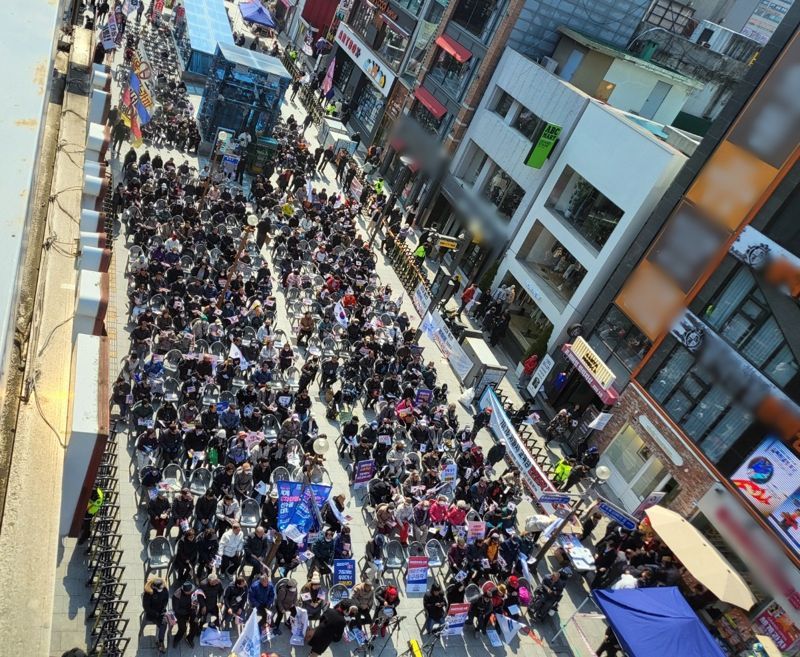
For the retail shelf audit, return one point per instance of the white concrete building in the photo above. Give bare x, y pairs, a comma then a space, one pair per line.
607, 178
521, 100
555, 186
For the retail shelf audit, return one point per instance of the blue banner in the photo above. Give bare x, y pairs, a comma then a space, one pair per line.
294, 504
344, 572
289, 494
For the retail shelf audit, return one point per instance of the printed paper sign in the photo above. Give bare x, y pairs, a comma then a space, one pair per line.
455, 619
417, 576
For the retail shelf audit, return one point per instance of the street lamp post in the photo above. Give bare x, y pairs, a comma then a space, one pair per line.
601, 474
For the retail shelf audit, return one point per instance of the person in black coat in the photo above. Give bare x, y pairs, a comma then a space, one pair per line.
330, 630
207, 548
187, 613
154, 603
185, 556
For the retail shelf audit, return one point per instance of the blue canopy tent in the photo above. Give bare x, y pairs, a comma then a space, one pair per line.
255, 12
656, 622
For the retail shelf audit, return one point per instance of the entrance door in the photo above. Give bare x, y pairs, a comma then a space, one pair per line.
655, 99
635, 472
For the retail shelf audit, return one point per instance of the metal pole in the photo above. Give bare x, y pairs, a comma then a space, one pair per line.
569, 620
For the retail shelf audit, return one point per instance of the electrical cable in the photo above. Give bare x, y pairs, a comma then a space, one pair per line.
39, 410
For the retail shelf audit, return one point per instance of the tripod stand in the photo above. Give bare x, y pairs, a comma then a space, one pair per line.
367, 648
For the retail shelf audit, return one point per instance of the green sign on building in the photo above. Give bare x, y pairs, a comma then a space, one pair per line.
542, 149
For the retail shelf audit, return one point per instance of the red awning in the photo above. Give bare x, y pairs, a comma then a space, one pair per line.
453, 48
433, 106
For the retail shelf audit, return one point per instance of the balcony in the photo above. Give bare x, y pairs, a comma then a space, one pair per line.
584, 208
555, 269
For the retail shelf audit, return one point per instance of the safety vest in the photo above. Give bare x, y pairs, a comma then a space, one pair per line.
420, 251
378, 186
563, 468
94, 505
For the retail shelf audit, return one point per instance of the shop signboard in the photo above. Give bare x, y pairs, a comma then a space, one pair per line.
376, 71
592, 368
537, 380
544, 146
778, 266
776, 624
770, 481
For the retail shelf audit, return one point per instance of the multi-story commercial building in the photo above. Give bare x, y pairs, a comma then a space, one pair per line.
380, 49
696, 333
459, 64
561, 184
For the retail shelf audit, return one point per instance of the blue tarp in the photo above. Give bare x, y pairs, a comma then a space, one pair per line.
656, 622
254, 12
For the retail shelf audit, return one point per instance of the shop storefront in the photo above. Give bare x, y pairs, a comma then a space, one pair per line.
363, 78
582, 383
778, 614
636, 469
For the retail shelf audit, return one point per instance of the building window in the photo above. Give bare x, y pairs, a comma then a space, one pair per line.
449, 73
392, 45
424, 118
472, 164
411, 6
502, 192
476, 16
584, 207
502, 104
361, 18
621, 338
529, 124
699, 404
425, 36
673, 16
740, 314
369, 106
550, 261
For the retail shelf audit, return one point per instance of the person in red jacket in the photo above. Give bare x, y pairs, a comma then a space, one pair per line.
466, 297
528, 368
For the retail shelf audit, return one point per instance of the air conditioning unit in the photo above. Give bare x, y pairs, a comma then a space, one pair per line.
549, 64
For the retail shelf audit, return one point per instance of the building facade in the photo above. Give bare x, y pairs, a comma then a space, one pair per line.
471, 40
699, 327
380, 47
